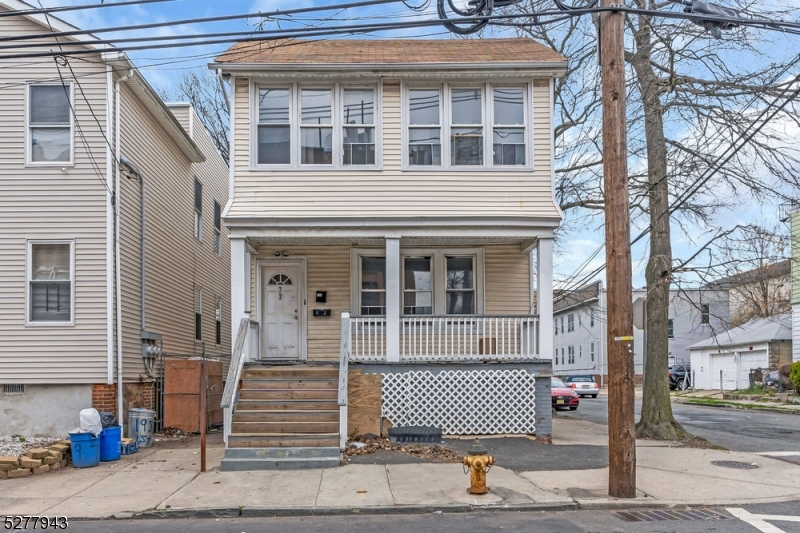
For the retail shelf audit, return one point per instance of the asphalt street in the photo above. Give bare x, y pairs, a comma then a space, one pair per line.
729, 520
744, 430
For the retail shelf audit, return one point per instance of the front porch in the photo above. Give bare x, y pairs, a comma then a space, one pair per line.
439, 333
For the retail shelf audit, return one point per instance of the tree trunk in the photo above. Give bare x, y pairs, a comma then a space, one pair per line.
656, 421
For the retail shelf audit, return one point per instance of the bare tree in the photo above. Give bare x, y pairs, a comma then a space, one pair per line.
201, 88
690, 100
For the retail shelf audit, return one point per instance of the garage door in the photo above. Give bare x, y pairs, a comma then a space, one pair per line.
750, 361
726, 363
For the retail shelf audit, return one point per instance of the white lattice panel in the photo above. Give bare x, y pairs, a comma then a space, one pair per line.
462, 402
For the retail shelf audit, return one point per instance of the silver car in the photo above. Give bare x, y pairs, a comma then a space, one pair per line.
583, 385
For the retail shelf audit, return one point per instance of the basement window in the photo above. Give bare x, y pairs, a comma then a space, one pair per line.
13, 388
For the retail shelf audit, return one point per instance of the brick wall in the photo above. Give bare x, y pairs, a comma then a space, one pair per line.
104, 397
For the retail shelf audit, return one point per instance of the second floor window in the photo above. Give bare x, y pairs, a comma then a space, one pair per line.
571, 322
217, 229
475, 121
316, 126
198, 314
670, 329
705, 314
198, 210
49, 124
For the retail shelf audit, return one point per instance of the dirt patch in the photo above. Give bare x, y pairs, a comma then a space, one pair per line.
420, 451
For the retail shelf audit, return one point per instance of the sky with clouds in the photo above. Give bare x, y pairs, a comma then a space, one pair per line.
578, 240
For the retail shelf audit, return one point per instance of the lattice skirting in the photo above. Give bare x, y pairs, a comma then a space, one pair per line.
462, 402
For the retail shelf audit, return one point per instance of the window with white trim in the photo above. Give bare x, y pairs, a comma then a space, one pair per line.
51, 281
571, 355
571, 322
198, 210
591, 352
50, 123
217, 228
468, 111
198, 314
432, 281
329, 126
218, 320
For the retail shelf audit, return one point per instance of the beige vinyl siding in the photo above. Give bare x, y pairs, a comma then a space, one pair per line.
176, 261
44, 203
507, 279
183, 113
391, 192
506, 290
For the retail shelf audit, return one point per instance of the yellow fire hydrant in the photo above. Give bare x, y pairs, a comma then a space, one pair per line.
479, 462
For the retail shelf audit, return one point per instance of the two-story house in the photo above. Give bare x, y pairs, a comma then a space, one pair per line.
581, 336
111, 243
385, 201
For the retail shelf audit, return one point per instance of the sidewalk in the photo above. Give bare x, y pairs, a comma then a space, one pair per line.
164, 482
715, 398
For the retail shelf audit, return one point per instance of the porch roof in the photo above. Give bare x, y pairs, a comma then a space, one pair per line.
421, 242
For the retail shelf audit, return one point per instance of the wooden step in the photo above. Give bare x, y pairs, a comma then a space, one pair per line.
285, 428
262, 440
286, 405
280, 394
289, 384
285, 416
291, 372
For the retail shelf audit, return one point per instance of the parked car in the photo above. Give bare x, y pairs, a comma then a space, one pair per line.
583, 385
562, 396
680, 377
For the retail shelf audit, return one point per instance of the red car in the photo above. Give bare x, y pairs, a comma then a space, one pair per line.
563, 396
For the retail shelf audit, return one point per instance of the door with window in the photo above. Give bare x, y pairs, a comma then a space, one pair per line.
281, 312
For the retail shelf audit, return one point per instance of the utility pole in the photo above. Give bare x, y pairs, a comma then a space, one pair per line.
621, 431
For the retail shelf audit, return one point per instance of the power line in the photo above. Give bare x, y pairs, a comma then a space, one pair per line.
230, 37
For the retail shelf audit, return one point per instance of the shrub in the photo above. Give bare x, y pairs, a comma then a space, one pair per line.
794, 375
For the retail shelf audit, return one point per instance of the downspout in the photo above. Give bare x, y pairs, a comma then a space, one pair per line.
135, 171
109, 230
117, 251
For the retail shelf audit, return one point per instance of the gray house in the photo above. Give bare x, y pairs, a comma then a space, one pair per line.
580, 334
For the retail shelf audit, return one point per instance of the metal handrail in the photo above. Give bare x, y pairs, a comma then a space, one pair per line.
237, 363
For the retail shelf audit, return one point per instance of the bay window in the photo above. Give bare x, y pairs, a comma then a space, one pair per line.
50, 281
332, 126
508, 134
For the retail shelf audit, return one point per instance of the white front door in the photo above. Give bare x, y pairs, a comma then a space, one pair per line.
281, 311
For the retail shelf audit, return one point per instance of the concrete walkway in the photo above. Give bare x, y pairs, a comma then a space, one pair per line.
166, 482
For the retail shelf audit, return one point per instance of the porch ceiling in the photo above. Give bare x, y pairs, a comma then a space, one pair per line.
377, 242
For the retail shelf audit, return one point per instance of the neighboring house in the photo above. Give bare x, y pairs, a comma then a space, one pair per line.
91, 291
385, 201
580, 334
761, 292
726, 359
791, 213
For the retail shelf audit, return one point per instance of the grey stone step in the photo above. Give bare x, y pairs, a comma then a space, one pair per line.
238, 459
237, 465
282, 453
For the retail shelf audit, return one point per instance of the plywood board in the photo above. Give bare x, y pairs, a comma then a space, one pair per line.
363, 403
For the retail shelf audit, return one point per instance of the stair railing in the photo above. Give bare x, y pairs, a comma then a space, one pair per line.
344, 359
238, 358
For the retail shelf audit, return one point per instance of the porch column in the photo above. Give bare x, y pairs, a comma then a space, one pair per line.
392, 298
240, 284
544, 293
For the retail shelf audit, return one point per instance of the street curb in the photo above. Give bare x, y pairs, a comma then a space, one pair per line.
575, 505
734, 406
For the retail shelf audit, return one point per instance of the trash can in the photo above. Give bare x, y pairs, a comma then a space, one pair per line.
110, 442
140, 426
85, 449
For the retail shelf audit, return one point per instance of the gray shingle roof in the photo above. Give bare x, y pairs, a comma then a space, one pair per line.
774, 328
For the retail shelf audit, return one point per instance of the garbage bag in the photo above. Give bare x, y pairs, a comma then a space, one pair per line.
108, 419
90, 421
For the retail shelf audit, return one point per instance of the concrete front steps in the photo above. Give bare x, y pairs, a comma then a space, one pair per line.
286, 417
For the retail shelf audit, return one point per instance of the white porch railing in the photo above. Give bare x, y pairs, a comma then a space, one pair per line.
245, 349
344, 358
447, 338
